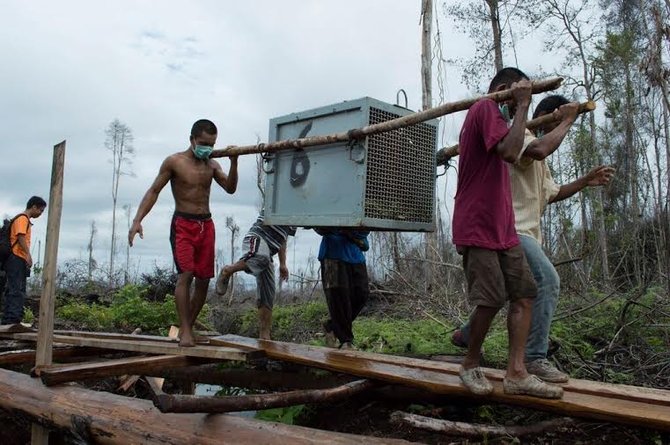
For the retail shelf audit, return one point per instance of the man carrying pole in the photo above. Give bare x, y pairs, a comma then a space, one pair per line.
532, 189
190, 174
483, 232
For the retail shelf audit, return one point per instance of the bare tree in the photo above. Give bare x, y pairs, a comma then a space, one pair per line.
91, 261
120, 142
234, 232
126, 273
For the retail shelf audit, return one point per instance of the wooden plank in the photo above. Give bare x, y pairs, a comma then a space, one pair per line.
200, 339
626, 392
437, 379
28, 355
104, 418
108, 368
153, 347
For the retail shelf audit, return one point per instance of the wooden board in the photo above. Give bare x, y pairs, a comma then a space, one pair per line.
69, 353
95, 370
104, 418
644, 407
150, 346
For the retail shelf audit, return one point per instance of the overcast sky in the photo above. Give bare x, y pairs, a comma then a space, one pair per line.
71, 67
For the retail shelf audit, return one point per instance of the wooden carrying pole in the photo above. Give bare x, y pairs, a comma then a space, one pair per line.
43, 355
444, 154
538, 86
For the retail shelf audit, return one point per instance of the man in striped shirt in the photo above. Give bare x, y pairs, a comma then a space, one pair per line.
260, 244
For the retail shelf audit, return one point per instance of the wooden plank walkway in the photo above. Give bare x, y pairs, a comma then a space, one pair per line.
617, 403
146, 344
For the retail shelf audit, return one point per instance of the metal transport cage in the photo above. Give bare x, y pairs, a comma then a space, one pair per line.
384, 182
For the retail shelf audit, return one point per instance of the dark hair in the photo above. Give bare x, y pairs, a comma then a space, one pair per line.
203, 126
36, 201
549, 104
507, 76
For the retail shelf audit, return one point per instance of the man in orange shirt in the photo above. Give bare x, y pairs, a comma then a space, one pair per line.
19, 262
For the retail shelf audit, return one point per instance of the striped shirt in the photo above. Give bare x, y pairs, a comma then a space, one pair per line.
275, 236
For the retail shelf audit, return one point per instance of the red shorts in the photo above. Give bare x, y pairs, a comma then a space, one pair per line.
192, 239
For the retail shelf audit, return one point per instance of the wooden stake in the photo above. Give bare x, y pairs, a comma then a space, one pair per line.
43, 357
538, 86
444, 154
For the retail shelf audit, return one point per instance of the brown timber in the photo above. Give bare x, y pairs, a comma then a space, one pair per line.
538, 86
444, 154
199, 404
104, 418
108, 368
61, 354
150, 346
616, 403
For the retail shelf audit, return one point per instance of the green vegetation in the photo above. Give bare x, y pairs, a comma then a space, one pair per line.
286, 415
129, 309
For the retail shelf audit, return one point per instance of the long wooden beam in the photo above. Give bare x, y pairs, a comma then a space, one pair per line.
631, 405
98, 370
444, 154
538, 86
151, 347
104, 418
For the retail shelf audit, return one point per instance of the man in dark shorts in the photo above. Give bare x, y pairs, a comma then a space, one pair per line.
190, 174
483, 230
260, 245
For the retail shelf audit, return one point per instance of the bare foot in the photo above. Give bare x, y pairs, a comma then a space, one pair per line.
186, 339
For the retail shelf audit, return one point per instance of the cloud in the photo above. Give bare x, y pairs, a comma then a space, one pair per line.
74, 66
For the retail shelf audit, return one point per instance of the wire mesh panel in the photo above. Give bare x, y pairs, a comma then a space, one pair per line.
401, 171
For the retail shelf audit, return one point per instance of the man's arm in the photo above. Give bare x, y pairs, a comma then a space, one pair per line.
149, 199
227, 182
541, 148
283, 270
21, 241
600, 175
510, 146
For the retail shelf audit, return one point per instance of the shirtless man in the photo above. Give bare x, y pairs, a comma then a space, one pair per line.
190, 174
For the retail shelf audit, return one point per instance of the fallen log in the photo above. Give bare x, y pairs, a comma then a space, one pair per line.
106, 418
444, 154
168, 403
538, 86
476, 431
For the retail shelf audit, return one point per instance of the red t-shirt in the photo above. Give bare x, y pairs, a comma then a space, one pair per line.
483, 212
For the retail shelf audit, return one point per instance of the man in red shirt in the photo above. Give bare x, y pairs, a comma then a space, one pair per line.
483, 230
